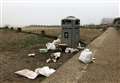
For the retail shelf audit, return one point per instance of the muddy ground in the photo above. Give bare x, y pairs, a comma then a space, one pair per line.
14, 48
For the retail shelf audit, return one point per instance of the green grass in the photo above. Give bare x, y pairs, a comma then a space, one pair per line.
11, 40
33, 40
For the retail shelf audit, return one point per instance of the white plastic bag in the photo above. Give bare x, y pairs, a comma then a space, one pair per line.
27, 73
86, 56
57, 41
50, 46
70, 50
46, 71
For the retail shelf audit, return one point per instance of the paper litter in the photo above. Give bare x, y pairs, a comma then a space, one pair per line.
27, 73
32, 54
70, 50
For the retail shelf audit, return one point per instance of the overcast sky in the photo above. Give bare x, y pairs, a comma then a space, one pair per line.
28, 12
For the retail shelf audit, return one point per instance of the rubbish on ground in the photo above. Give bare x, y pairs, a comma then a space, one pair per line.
57, 54
51, 46
86, 56
45, 71
70, 50
54, 57
32, 54
43, 50
48, 60
80, 47
93, 58
27, 73
67, 50
57, 41
63, 46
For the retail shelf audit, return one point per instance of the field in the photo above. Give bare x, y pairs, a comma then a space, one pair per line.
15, 47
86, 34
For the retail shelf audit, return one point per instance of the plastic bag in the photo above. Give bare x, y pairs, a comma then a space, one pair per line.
46, 71
50, 46
86, 56
57, 41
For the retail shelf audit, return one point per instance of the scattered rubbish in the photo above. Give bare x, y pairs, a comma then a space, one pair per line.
32, 54
48, 60
54, 57
70, 50
86, 56
57, 54
93, 58
27, 73
67, 50
45, 71
80, 47
63, 46
51, 46
43, 50
57, 41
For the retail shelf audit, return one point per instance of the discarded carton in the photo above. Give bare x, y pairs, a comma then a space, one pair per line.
86, 56
27, 73
45, 71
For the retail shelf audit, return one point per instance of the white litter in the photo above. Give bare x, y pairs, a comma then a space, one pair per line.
27, 73
45, 71
50, 46
54, 57
86, 56
70, 50
48, 60
57, 54
57, 41
32, 54
80, 47
43, 50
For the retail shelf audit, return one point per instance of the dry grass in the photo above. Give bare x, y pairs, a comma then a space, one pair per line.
48, 31
86, 35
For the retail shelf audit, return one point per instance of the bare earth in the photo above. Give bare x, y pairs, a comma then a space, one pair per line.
106, 68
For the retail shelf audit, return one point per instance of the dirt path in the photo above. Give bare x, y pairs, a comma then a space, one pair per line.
106, 69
